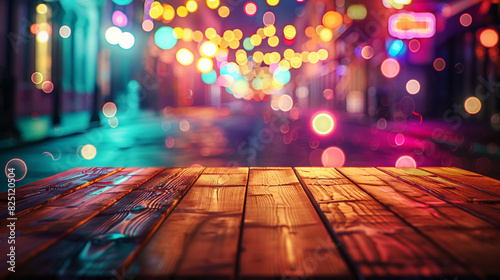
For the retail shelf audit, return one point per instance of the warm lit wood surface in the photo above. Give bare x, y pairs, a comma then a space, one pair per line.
256, 223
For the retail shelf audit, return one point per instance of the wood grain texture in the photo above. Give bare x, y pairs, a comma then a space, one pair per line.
486, 184
283, 235
428, 213
45, 225
199, 240
37, 194
380, 244
107, 243
262, 176
471, 199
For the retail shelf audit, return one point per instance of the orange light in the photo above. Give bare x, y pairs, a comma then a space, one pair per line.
472, 105
332, 20
367, 52
488, 38
390, 68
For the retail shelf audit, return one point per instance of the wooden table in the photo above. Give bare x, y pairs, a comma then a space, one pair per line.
279, 223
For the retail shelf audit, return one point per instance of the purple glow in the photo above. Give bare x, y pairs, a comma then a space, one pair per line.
408, 25
119, 19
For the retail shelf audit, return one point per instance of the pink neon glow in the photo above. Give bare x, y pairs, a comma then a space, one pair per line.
408, 25
119, 19
406, 161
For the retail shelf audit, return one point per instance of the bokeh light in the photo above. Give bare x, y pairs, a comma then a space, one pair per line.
65, 31
47, 86
213, 4
184, 125
191, 6
413, 86
184, 56
285, 103
439, 64
109, 109
42, 36
165, 37
113, 35
357, 12
205, 64
268, 18
323, 123
182, 11
147, 25
406, 161
127, 40
208, 49
472, 105
390, 68
465, 19
119, 19
88, 151
289, 31
209, 77
332, 20
113, 122
122, 2
37, 78
333, 157
399, 139
41, 9
272, 2
367, 52
224, 11
281, 76
414, 45
250, 8
168, 13
488, 37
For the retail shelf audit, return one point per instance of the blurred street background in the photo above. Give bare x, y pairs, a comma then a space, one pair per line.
406, 83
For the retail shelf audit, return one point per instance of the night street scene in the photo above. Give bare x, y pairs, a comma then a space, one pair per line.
113, 86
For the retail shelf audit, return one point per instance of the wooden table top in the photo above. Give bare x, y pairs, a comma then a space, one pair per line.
269, 223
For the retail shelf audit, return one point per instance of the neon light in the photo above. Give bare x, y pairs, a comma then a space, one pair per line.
408, 25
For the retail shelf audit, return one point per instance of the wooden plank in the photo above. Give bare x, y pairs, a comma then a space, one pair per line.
380, 243
468, 178
428, 213
283, 235
108, 242
470, 199
37, 194
45, 225
272, 177
199, 240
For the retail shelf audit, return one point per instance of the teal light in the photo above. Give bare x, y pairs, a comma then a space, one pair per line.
122, 2
247, 44
210, 77
282, 76
165, 38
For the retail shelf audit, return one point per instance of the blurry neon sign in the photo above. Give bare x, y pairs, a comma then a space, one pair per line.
408, 25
